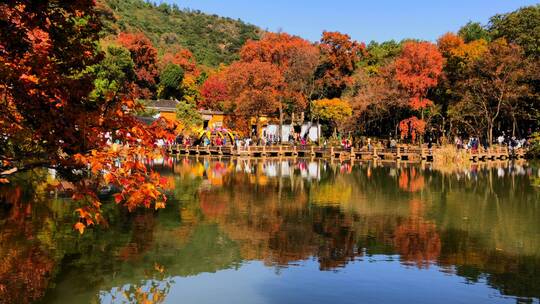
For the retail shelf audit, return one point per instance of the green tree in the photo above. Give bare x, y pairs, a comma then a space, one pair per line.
188, 115
170, 82
113, 73
473, 31
380, 54
521, 27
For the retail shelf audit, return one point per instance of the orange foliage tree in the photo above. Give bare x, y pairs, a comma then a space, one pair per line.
339, 55
295, 58
449, 42
184, 59
458, 55
418, 69
255, 89
144, 55
48, 119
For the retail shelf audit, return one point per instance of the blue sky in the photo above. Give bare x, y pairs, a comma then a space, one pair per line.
377, 20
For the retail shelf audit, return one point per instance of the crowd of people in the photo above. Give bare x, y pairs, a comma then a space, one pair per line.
503, 140
219, 140
473, 143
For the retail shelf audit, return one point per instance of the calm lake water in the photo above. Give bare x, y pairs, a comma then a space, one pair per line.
284, 232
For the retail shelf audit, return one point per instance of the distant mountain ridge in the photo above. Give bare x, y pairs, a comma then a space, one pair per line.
211, 38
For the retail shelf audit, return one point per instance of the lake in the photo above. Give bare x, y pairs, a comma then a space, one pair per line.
284, 231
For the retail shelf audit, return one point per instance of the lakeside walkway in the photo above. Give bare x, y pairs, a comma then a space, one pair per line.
401, 152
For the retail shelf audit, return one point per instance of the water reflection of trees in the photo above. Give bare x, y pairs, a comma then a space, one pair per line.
416, 239
26, 265
151, 290
458, 220
479, 224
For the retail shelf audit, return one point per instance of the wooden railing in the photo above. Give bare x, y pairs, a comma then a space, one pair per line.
400, 152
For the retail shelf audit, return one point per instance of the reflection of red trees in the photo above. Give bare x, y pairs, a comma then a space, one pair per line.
24, 275
142, 236
281, 229
211, 204
25, 269
410, 180
338, 238
417, 240
278, 229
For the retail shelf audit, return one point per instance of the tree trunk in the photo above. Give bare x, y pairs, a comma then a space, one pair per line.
490, 133
514, 124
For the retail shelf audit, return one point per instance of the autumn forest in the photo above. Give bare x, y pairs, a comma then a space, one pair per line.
95, 206
74, 72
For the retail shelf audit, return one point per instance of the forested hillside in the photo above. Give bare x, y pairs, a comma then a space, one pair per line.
212, 39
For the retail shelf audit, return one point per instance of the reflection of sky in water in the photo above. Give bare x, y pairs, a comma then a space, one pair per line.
373, 279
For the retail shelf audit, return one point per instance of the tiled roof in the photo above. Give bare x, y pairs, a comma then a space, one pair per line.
210, 112
162, 103
148, 120
169, 105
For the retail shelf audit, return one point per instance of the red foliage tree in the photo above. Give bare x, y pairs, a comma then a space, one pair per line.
144, 55
254, 89
418, 69
214, 92
295, 58
339, 55
412, 127
184, 59
48, 118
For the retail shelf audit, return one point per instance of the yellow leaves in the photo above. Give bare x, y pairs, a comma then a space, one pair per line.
108, 178
82, 213
471, 51
160, 205
159, 268
115, 147
332, 109
29, 78
80, 227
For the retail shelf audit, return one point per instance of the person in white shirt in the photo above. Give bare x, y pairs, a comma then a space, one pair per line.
500, 139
